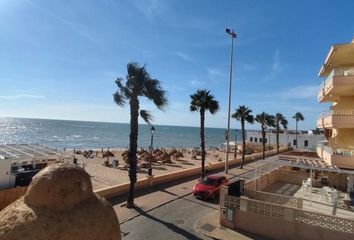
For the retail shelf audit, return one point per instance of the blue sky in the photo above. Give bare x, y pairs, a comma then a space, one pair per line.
59, 59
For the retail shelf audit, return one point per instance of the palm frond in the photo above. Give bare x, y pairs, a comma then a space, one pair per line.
203, 100
120, 96
299, 117
243, 112
146, 116
153, 91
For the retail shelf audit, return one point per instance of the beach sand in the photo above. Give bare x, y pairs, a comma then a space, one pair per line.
103, 176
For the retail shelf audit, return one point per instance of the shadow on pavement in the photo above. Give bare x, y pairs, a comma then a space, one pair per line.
171, 226
138, 193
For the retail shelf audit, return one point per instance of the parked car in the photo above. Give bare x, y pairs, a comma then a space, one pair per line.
209, 187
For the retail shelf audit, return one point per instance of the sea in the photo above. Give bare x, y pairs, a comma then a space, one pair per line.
95, 135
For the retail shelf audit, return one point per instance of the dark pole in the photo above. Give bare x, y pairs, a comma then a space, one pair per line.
151, 149
269, 140
232, 34
235, 144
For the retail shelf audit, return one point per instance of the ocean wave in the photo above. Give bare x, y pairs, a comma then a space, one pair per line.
74, 136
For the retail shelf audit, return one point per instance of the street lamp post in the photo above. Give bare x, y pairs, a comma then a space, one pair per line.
270, 130
151, 149
235, 144
232, 34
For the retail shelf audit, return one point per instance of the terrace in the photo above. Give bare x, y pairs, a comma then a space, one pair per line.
340, 82
307, 198
342, 158
340, 118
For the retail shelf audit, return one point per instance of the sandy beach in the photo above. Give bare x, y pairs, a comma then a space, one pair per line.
104, 176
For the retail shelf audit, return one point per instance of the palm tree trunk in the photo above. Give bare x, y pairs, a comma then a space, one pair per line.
243, 142
278, 139
263, 141
133, 145
202, 140
296, 133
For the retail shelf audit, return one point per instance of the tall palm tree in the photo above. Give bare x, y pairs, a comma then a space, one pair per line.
298, 117
279, 121
243, 114
265, 120
138, 84
202, 101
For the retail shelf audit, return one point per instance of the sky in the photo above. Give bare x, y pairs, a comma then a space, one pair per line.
59, 59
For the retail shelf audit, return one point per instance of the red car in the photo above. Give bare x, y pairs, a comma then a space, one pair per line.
209, 187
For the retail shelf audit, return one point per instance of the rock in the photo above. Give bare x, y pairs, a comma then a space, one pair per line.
59, 205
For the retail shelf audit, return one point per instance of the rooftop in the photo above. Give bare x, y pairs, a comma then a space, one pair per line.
25, 151
340, 55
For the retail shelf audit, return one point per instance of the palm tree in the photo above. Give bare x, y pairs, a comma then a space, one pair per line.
243, 114
201, 101
265, 120
138, 84
279, 121
298, 117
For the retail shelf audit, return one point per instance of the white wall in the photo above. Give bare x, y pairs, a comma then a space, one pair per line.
285, 138
6, 179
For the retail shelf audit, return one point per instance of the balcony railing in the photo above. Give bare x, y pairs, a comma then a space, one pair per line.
337, 151
338, 112
349, 71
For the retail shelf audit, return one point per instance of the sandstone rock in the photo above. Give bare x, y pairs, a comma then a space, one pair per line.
59, 205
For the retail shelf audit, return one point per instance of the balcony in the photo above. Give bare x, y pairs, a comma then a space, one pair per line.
341, 158
341, 118
340, 82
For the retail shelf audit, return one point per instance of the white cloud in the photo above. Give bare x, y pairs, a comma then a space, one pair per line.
150, 8
80, 29
301, 92
216, 72
196, 82
184, 56
22, 96
247, 66
275, 67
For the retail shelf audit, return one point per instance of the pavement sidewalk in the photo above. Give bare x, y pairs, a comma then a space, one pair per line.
154, 197
209, 226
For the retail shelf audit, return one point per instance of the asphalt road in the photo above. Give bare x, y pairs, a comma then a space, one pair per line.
176, 218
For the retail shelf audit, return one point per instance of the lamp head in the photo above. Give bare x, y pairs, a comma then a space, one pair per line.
231, 33
152, 129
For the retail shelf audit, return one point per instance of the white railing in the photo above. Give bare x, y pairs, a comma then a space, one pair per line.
274, 198
344, 152
337, 151
349, 71
325, 147
338, 112
286, 213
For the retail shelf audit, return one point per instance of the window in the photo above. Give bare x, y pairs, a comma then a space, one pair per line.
294, 142
260, 139
255, 139
265, 140
251, 139
306, 143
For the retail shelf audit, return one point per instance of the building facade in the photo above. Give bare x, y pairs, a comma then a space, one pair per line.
338, 123
305, 140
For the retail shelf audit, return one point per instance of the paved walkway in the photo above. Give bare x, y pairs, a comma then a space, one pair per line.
151, 202
209, 226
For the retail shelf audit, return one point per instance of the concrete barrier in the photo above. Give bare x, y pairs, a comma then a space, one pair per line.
123, 188
8, 196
